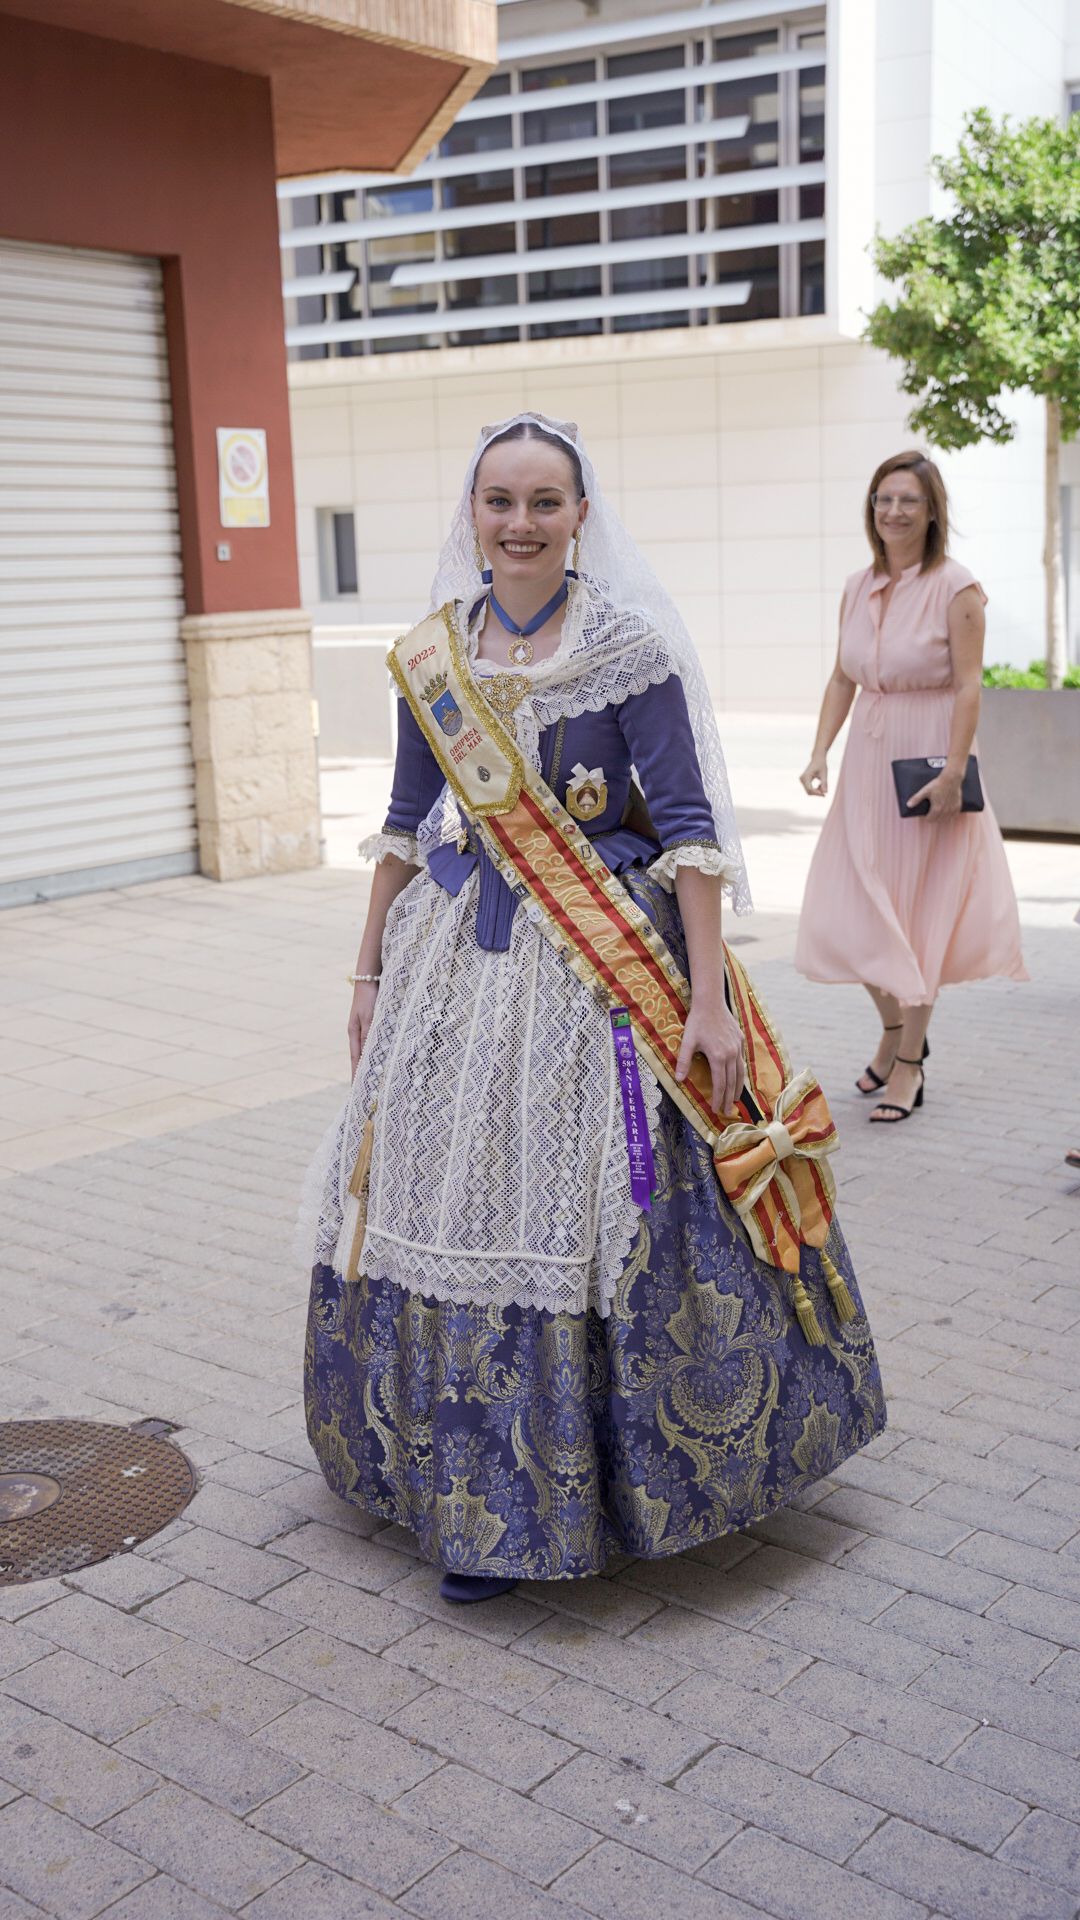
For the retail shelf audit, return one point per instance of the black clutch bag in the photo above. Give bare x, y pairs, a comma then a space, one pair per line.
910, 775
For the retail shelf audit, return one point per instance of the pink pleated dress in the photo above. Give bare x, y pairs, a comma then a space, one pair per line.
906, 906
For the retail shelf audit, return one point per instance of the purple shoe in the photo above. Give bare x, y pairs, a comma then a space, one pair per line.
465, 1587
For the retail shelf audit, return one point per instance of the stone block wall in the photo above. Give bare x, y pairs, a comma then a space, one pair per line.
740, 471
256, 778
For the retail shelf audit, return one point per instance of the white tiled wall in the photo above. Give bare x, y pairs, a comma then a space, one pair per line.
753, 528
739, 459
717, 468
1072, 41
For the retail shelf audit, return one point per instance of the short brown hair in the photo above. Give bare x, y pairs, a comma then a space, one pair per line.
937, 529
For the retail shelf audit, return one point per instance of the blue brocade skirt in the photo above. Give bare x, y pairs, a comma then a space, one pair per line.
521, 1444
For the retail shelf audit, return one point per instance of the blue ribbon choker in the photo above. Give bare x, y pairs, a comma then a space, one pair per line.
538, 619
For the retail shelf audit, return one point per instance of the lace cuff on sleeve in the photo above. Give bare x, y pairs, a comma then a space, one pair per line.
705, 855
392, 840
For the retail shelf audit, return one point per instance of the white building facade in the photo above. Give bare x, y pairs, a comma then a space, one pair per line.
654, 220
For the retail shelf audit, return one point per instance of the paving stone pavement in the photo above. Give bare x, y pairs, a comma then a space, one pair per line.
867, 1706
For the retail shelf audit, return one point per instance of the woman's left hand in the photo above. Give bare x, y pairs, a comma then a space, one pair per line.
713, 1031
944, 795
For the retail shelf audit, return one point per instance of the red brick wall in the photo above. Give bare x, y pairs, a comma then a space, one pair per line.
111, 146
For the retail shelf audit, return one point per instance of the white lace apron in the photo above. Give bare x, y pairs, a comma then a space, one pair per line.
499, 1170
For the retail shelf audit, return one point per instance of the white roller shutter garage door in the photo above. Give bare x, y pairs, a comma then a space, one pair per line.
97, 784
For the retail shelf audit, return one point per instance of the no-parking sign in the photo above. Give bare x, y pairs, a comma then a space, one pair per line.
243, 479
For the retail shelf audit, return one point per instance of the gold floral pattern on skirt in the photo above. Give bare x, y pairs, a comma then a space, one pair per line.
523, 1444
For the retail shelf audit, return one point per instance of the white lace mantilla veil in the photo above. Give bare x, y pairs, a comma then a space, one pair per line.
621, 634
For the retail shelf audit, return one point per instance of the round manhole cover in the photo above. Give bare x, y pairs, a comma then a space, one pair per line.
73, 1492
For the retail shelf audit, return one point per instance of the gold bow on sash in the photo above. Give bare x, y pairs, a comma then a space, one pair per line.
748, 1156
771, 1172
773, 1168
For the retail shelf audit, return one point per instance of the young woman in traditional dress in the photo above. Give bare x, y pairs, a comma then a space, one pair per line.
905, 906
540, 1331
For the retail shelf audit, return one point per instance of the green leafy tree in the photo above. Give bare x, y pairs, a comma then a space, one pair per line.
990, 304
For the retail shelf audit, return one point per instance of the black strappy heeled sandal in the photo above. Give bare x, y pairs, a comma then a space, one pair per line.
869, 1072
896, 1112
876, 1077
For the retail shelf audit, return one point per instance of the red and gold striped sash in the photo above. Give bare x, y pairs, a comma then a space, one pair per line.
770, 1156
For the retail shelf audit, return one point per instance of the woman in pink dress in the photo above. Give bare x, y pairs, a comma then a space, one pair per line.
906, 906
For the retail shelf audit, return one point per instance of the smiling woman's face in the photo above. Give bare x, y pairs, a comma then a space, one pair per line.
526, 508
901, 506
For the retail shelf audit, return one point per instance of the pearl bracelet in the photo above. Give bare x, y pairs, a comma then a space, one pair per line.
354, 979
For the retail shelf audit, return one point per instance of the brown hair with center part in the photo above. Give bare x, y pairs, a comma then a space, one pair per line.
936, 544
532, 430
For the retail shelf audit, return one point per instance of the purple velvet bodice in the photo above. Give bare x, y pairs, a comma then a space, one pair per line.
650, 732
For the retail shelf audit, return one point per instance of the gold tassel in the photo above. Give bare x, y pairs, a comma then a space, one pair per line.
805, 1314
352, 1265
843, 1305
358, 1187
359, 1177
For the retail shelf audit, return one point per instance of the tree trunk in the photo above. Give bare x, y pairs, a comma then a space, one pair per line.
1052, 558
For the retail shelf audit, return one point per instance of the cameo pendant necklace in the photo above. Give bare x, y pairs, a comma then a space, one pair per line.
522, 650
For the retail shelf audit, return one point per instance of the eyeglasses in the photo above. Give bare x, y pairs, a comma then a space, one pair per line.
905, 503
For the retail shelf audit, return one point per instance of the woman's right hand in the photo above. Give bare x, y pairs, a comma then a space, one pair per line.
815, 779
361, 1015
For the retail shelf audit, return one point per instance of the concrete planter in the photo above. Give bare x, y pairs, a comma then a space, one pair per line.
1029, 752
357, 703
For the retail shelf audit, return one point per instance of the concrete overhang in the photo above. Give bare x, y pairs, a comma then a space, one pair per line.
358, 85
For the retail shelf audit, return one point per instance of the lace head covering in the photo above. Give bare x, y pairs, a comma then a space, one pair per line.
621, 633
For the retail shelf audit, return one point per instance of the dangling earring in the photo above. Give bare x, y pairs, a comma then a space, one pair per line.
482, 567
575, 558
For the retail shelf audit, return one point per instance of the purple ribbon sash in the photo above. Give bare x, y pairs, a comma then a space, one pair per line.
638, 1143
